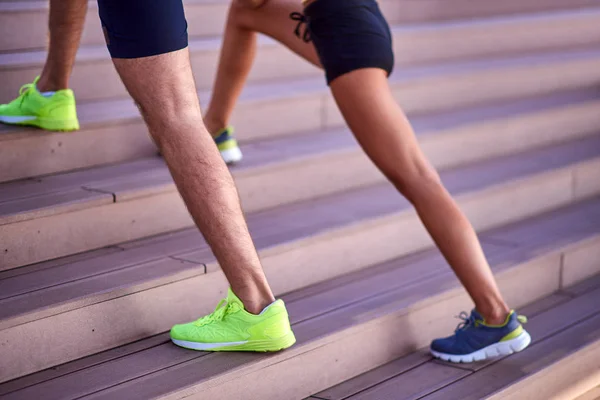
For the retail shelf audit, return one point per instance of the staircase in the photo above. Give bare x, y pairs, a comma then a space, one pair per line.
99, 257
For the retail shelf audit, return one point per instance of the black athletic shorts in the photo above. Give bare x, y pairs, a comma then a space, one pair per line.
142, 28
349, 35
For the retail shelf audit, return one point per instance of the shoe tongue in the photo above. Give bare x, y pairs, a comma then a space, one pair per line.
476, 315
232, 298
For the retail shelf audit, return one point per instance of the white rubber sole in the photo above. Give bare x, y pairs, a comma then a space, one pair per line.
48, 125
15, 119
205, 346
267, 345
495, 350
232, 156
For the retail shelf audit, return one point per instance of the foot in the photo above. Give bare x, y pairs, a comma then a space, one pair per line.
474, 340
228, 146
231, 328
53, 113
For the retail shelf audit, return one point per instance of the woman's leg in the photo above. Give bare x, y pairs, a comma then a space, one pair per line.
239, 49
365, 99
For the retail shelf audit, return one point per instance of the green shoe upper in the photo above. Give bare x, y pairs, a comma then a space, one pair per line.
231, 327
56, 112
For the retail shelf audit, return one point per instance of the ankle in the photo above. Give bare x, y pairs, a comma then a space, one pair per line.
214, 126
46, 85
495, 314
254, 299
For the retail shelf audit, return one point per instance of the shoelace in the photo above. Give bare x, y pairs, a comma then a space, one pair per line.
222, 309
469, 319
302, 21
24, 91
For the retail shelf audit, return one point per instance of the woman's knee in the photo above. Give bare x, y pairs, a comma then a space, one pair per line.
241, 12
249, 4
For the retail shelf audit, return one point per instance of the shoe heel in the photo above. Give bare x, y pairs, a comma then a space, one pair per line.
273, 345
521, 342
286, 341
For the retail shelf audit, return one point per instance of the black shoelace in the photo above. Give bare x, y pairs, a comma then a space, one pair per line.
302, 21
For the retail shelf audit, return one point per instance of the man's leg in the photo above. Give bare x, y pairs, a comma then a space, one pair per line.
239, 49
66, 21
47, 103
152, 59
169, 104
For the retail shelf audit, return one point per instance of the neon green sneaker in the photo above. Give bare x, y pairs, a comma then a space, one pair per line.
228, 146
231, 328
53, 113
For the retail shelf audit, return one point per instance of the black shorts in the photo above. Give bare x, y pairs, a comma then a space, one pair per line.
142, 28
350, 35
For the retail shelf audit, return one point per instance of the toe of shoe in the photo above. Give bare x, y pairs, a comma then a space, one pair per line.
444, 345
178, 332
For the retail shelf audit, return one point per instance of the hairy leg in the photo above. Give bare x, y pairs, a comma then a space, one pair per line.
365, 99
170, 107
239, 50
66, 22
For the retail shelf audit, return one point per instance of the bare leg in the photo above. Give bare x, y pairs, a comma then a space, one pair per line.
395, 149
365, 99
171, 110
66, 25
239, 50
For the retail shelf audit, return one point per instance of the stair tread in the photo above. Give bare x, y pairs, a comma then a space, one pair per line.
29, 188
60, 298
164, 367
507, 371
552, 320
93, 113
29, 152
27, 200
103, 112
416, 383
293, 222
425, 124
414, 276
378, 376
375, 376
584, 12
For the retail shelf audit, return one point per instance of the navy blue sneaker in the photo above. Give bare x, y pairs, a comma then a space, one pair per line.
474, 340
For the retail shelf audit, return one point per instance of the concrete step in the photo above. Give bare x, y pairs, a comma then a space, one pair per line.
68, 213
491, 129
61, 299
569, 368
114, 132
207, 17
94, 77
568, 345
364, 311
593, 394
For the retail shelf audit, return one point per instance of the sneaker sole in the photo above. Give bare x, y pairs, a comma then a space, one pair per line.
48, 125
495, 350
250, 345
232, 156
